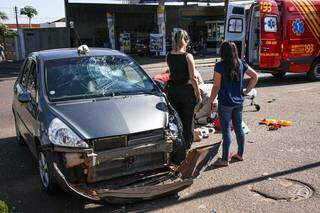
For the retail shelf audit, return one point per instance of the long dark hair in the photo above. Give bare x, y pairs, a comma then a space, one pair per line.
229, 55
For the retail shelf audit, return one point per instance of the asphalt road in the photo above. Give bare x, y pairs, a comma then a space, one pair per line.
291, 152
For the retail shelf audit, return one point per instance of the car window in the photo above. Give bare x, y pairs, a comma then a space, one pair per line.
235, 25
95, 76
25, 73
32, 80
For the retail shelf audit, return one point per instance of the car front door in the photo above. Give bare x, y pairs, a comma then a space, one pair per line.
26, 112
19, 107
31, 108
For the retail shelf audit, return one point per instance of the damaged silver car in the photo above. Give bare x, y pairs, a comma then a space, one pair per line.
101, 128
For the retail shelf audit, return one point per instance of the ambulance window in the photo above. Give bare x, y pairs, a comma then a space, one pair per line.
238, 10
235, 25
270, 24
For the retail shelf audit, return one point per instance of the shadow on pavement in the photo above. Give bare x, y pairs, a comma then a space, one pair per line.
224, 188
22, 186
289, 79
9, 69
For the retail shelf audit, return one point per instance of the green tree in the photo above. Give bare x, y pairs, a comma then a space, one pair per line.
3, 16
6, 32
3, 31
30, 12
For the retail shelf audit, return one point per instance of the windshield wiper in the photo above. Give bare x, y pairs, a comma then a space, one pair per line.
150, 92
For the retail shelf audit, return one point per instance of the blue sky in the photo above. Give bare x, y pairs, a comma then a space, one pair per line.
48, 10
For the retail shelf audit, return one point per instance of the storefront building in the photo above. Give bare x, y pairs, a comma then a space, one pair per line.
125, 26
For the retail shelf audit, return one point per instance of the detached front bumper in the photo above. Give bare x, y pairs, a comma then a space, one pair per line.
150, 185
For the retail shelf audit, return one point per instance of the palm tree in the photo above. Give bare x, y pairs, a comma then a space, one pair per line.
3, 16
30, 12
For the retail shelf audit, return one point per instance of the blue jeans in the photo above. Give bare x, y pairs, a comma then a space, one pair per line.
226, 115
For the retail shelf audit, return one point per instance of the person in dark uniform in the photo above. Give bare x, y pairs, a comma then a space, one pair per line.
183, 89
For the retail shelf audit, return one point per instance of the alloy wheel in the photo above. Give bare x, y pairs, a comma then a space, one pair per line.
43, 169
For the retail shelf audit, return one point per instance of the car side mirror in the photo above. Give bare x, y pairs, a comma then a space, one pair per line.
24, 97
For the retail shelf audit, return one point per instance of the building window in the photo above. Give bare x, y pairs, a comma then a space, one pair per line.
270, 24
235, 25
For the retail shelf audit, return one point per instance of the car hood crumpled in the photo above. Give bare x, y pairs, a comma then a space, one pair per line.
114, 116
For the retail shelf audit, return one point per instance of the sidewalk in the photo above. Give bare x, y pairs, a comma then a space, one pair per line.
159, 64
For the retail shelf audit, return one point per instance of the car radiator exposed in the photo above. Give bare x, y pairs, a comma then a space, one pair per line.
120, 166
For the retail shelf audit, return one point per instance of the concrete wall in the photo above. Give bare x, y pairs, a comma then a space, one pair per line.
53, 24
31, 40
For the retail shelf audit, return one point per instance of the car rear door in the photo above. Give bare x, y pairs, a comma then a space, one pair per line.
236, 27
270, 51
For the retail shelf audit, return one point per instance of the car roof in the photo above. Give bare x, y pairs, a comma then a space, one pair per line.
63, 53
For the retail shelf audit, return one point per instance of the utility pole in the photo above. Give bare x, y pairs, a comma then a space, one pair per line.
16, 13
226, 4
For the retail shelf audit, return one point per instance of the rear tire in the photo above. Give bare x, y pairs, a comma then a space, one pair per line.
45, 166
279, 74
314, 72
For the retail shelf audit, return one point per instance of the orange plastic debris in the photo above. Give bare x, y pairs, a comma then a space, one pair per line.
285, 123
269, 122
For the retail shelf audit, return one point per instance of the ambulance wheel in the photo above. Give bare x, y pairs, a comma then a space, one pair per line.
279, 74
314, 73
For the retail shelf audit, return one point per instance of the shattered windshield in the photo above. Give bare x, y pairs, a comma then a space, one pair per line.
96, 76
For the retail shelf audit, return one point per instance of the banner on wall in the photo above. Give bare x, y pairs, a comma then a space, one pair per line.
156, 42
110, 22
161, 14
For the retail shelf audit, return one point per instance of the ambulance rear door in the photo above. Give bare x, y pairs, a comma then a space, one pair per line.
270, 51
235, 26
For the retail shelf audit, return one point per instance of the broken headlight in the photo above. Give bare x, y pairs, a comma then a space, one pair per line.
60, 134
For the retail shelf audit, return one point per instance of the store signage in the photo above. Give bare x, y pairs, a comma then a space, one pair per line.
156, 42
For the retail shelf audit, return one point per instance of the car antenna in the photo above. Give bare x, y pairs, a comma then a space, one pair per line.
78, 36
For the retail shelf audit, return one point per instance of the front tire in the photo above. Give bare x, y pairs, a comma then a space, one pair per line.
45, 166
279, 74
314, 72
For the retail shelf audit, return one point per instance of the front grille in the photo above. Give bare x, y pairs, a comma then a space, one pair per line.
109, 143
135, 164
113, 169
103, 144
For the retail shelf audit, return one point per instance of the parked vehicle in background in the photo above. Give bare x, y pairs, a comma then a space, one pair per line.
279, 35
101, 128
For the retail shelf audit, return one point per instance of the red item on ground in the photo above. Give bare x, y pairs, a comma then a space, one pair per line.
164, 77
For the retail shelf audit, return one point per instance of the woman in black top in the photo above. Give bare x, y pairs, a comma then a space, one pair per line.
183, 89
